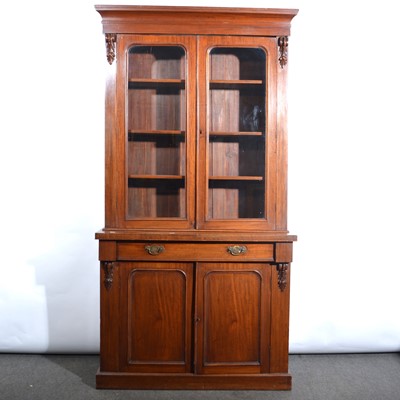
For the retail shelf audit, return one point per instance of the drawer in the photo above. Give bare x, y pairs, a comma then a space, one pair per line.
195, 251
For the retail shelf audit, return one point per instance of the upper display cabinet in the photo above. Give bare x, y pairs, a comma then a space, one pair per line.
196, 129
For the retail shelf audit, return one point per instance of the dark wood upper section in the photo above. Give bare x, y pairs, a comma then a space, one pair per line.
196, 20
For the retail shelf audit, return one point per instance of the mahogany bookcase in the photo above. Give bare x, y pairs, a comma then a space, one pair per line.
195, 253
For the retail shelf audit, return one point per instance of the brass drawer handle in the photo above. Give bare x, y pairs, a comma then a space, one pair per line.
154, 249
237, 250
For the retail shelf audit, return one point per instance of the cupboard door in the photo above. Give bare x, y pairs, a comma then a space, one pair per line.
157, 113
237, 181
156, 317
232, 315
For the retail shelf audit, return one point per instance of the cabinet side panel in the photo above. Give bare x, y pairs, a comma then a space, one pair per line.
109, 318
279, 356
110, 147
282, 148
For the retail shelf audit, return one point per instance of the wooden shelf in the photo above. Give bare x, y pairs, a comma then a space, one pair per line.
155, 80
236, 178
215, 133
152, 83
156, 132
157, 177
236, 82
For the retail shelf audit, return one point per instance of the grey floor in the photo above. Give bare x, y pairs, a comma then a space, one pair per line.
315, 377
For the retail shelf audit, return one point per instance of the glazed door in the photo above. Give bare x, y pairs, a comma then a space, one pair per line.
156, 124
237, 133
156, 317
232, 318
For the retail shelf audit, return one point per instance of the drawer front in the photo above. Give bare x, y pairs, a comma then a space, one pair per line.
195, 251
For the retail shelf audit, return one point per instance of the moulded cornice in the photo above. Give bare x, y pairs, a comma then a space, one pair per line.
196, 20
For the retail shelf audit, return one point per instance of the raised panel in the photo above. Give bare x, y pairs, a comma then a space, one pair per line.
232, 314
157, 317
236, 321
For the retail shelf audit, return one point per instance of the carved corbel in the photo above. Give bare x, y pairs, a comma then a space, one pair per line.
283, 50
111, 39
282, 275
108, 267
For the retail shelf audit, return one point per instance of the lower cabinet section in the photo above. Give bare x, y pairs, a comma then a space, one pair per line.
193, 325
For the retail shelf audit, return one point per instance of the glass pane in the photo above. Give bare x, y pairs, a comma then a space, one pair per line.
156, 134
237, 133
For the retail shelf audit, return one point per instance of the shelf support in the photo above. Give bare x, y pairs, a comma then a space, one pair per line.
108, 267
111, 39
283, 42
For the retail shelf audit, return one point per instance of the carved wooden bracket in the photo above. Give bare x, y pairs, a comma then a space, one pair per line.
283, 50
108, 267
111, 39
282, 275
